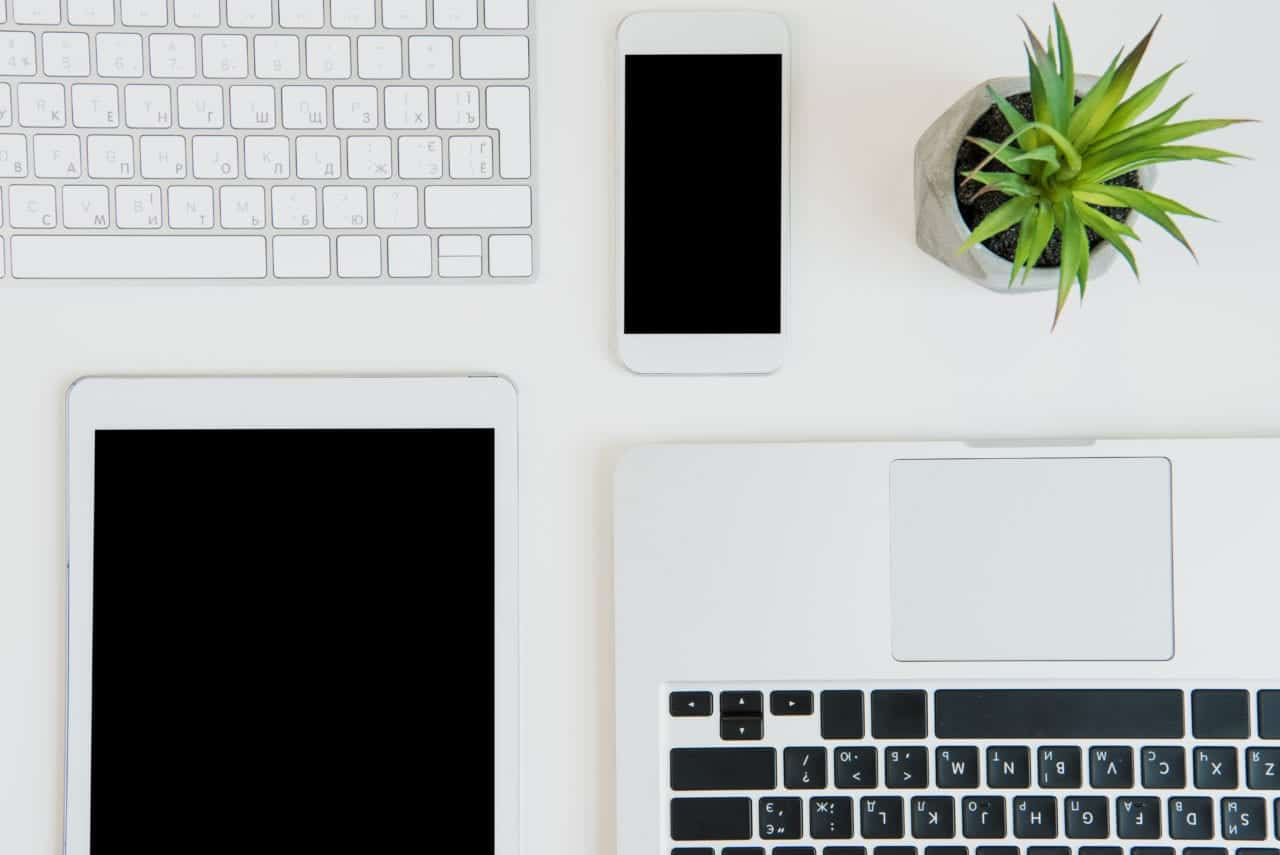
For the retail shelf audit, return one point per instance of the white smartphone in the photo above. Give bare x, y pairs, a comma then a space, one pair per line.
702, 221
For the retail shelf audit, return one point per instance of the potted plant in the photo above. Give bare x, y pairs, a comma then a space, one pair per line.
1032, 183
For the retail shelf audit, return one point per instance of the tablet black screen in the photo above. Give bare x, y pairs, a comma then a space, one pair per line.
292, 640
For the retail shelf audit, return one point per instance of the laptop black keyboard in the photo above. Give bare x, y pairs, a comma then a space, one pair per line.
974, 771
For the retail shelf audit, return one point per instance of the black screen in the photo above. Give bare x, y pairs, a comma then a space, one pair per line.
292, 640
703, 209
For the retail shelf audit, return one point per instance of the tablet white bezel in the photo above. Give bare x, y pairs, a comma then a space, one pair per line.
200, 403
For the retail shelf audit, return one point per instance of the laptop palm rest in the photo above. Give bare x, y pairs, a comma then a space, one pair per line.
1052, 559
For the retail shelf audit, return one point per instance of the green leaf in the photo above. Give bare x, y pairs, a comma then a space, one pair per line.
1004, 155
1066, 62
1137, 105
1117, 89
1160, 136
1063, 144
997, 221
1161, 154
1110, 230
1024, 244
1072, 254
1089, 104
1006, 182
1103, 143
1046, 154
1016, 120
1040, 240
1147, 204
1057, 101
1109, 195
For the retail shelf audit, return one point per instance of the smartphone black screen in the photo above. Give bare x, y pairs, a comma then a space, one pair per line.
703, 194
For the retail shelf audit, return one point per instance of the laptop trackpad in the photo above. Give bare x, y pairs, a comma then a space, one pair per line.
1032, 559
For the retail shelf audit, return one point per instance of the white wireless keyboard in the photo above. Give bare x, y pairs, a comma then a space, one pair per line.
297, 140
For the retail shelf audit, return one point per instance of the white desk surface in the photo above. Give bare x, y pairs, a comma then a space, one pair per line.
886, 343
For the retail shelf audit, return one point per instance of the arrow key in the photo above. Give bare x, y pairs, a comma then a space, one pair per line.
791, 703
741, 703
739, 728
690, 704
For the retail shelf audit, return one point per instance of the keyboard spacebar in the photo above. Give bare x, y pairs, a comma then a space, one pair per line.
139, 256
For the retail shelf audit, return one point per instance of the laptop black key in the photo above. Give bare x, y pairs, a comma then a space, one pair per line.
690, 704
781, 818
1035, 818
855, 768
842, 715
983, 817
946, 850
695, 850
895, 850
881, 817
899, 714
1061, 714
1101, 850
996, 850
844, 850
1138, 818
1087, 818
1269, 714
1205, 850
957, 767
1220, 714
906, 768
1264, 768
741, 728
711, 819
1191, 818
804, 768
831, 818
933, 817
1052, 850
791, 703
742, 850
1009, 767
1216, 768
1152, 850
794, 850
742, 704
724, 769
1244, 819
1111, 767
1164, 767
1060, 767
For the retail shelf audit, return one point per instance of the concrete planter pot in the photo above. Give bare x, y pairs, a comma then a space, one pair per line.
940, 230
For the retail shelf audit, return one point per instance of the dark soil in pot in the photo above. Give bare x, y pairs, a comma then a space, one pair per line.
993, 126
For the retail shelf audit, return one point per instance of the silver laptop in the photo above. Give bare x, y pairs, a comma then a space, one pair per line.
949, 649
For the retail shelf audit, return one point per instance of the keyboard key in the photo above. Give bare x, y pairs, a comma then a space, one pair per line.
1060, 767
946, 850
1152, 850
781, 818
470, 158
1087, 818
190, 207
842, 716
242, 207
85, 207
293, 207
36, 12
506, 14
196, 13
899, 714
895, 850
493, 57
91, 13
507, 112
404, 14
1219, 714
138, 207
457, 107
172, 54
1205, 850
1061, 713
983, 817
139, 257
111, 156
1035, 817
793, 850
249, 13
680, 704
1101, 850
1264, 768
737, 850
1191, 818
906, 768
933, 818
406, 108
224, 57
304, 107
804, 768
1137, 818
328, 57
780, 703
742, 703
855, 768
957, 767
143, 13
881, 817
724, 768
352, 14
732, 728
697, 850
301, 13
831, 818
378, 57
711, 819
41, 105
460, 257
430, 57
65, 54
1111, 768
1244, 819
1009, 767
455, 14
30, 207
1164, 768
1269, 714
1058, 850
56, 155
1216, 769
408, 256
95, 105
275, 57
119, 54
996, 850
359, 256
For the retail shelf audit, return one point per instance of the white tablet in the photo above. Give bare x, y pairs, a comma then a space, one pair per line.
292, 615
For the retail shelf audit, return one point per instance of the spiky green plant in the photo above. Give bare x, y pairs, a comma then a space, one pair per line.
1059, 164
